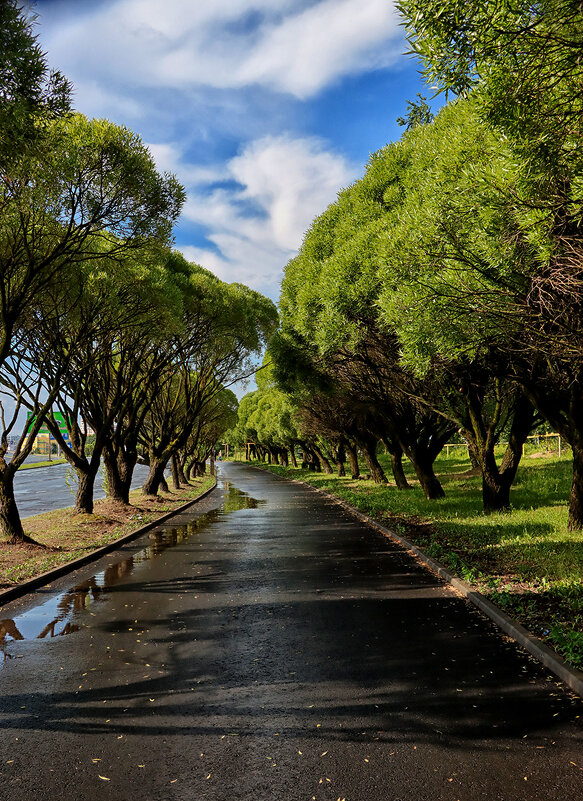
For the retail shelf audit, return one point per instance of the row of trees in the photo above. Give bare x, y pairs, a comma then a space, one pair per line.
443, 291
99, 318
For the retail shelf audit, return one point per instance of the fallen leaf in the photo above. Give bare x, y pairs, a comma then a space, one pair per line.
105, 779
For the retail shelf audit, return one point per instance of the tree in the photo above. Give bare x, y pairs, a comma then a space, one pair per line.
452, 296
91, 192
417, 113
224, 327
30, 94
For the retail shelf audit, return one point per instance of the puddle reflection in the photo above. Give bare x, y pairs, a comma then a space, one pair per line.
62, 610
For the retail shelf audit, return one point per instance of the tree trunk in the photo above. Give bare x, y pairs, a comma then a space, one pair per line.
212, 463
397, 468
496, 483
119, 472
174, 469
353, 460
326, 466
182, 474
10, 522
85, 487
292, 455
284, 457
576, 496
340, 459
155, 476
495, 491
369, 449
430, 484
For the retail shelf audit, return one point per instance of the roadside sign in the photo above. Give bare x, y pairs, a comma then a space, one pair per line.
59, 419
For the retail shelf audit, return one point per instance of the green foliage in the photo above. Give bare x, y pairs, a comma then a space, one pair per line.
417, 113
30, 94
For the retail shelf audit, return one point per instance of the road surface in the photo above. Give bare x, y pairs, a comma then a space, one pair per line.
267, 646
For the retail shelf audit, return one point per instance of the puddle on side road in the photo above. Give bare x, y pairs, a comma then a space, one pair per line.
59, 615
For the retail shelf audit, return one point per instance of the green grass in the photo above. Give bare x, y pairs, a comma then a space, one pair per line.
524, 560
32, 465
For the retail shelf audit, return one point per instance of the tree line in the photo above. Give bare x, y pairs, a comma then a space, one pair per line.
443, 291
100, 318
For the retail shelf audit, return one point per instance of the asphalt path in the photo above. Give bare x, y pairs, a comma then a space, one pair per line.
268, 646
42, 489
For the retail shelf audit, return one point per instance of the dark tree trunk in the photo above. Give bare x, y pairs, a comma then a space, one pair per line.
353, 460
284, 457
576, 496
292, 456
10, 522
340, 459
474, 460
174, 470
164, 484
155, 477
497, 482
119, 472
369, 450
212, 464
85, 488
182, 473
398, 472
326, 466
430, 484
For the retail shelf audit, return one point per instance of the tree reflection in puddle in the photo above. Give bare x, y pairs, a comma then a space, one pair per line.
62, 609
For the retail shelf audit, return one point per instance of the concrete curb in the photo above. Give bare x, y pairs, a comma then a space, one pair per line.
12, 593
572, 677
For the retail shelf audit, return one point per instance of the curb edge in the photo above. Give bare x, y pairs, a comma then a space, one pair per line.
34, 583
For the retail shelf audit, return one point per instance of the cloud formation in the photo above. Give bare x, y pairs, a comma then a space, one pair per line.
290, 46
226, 92
259, 204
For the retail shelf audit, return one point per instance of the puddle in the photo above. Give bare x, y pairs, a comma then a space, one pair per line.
61, 615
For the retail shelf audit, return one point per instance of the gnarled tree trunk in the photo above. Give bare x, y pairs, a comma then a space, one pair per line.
369, 449
353, 459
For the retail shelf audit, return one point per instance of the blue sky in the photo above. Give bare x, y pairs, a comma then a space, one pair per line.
264, 110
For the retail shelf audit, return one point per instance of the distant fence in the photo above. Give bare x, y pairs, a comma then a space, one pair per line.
548, 442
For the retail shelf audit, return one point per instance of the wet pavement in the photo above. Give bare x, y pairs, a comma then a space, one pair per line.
267, 645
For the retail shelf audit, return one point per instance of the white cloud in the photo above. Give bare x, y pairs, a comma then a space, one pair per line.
224, 44
256, 227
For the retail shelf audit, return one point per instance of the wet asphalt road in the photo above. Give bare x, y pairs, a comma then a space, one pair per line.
268, 646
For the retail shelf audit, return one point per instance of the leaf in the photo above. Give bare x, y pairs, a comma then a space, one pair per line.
104, 778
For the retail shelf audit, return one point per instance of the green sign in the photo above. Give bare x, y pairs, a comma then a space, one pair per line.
58, 417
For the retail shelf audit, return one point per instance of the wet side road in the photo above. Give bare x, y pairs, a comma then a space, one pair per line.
268, 646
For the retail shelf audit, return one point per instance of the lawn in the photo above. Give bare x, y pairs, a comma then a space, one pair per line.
524, 560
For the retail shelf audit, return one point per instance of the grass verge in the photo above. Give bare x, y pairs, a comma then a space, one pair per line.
33, 465
64, 535
525, 560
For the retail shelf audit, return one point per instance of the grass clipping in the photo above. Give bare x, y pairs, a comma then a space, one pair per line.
64, 535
